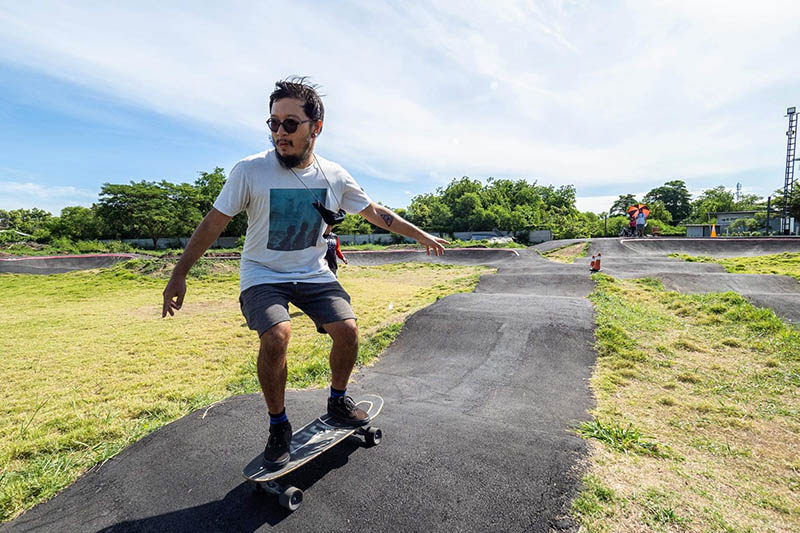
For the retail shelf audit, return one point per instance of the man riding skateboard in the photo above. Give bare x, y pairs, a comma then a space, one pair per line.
291, 195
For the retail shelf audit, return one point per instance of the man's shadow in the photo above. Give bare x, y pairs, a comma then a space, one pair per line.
245, 508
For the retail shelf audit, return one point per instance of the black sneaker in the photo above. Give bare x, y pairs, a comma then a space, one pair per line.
276, 454
343, 409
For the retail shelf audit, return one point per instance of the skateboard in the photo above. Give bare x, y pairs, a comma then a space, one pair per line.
307, 443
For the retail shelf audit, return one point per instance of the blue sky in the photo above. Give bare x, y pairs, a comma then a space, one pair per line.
613, 97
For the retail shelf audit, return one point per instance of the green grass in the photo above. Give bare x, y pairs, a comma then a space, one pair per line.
697, 423
65, 246
89, 366
567, 253
622, 439
787, 263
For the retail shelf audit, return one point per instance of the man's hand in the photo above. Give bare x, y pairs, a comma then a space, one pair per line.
173, 296
206, 233
432, 243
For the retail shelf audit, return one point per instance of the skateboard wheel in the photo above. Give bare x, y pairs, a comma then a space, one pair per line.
291, 498
373, 436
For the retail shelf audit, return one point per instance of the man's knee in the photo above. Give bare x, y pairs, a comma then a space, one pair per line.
344, 332
276, 338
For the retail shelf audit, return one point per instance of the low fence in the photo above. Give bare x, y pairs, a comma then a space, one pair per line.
534, 237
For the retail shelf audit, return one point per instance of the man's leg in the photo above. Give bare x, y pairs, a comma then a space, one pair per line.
271, 369
343, 358
271, 365
343, 352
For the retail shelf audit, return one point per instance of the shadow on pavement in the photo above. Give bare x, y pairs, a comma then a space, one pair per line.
244, 508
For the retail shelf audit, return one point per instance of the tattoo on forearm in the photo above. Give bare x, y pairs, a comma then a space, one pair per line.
387, 218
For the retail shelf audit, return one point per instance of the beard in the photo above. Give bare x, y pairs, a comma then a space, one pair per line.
291, 161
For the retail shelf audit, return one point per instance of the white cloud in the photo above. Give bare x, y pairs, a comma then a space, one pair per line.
19, 195
567, 92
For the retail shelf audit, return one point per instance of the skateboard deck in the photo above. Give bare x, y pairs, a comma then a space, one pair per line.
307, 443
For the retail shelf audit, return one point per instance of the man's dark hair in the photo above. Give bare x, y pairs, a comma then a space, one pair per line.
299, 87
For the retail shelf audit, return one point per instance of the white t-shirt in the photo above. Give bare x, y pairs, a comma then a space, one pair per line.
284, 240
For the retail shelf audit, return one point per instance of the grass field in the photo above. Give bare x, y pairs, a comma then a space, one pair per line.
786, 263
697, 424
88, 365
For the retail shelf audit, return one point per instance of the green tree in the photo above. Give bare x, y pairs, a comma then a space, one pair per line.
353, 225
458, 188
749, 202
77, 223
621, 205
209, 185
149, 209
26, 220
658, 211
558, 198
793, 204
428, 211
468, 212
712, 201
442, 218
676, 198
504, 204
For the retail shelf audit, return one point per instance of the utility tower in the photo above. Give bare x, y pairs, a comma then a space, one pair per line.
738, 192
788, 185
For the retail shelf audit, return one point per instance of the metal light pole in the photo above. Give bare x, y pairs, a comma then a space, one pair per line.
769, 200
788, 184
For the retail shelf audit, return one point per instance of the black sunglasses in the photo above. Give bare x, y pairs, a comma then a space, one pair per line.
290, 124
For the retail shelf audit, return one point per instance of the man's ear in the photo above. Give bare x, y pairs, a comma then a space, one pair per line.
317, 129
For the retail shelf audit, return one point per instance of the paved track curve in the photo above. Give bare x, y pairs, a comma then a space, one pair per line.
58, 264
482, 392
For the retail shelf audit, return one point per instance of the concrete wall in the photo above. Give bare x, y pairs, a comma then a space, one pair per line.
698, 231
541, 235
178, 242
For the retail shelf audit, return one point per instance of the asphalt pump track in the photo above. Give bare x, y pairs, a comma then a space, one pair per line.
59, 264
483, 392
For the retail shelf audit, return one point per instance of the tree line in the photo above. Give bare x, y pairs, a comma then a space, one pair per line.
145, 209
156, 210
672, 204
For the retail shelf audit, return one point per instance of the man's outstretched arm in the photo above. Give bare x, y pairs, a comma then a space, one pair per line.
385, 218
204, 236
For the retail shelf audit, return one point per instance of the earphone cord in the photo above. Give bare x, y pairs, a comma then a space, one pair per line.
319, 167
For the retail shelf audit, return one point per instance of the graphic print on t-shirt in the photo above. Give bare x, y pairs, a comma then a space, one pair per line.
294, 222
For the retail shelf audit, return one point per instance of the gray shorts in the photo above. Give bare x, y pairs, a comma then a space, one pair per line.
265, 305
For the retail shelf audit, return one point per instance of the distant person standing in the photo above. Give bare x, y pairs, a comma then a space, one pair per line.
333, 252
632, 226
641, 220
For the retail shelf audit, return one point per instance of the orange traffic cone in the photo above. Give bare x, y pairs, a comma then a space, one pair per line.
595, 264
713, 230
